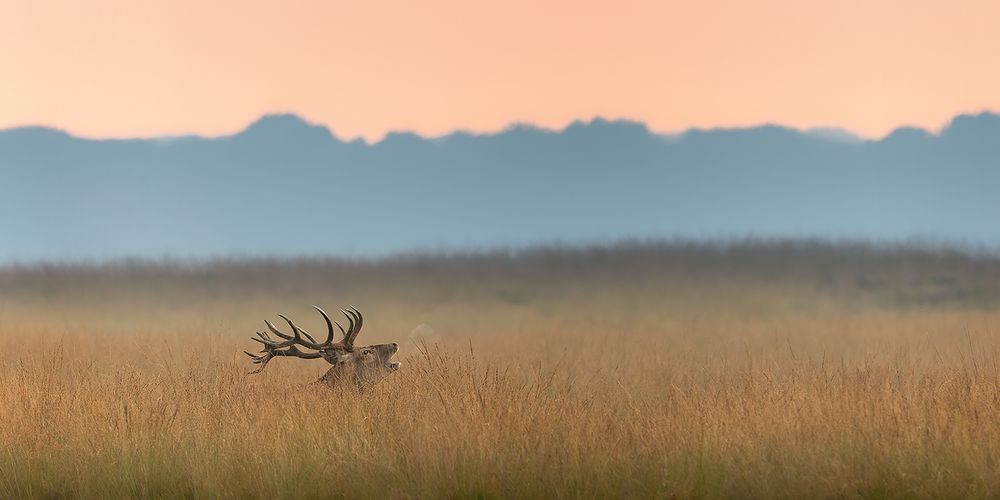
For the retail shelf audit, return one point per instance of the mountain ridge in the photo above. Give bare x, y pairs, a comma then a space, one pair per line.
284, 187
289, 122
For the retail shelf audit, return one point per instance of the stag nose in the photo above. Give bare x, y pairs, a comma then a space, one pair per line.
395, 346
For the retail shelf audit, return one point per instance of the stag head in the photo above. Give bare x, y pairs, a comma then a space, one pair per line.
360, 365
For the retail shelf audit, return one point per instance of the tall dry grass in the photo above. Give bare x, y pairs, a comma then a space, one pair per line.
751, 370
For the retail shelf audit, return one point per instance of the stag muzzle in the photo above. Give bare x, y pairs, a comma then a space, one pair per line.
393, 365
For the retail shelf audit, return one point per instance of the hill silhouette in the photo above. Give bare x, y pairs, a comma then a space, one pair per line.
286, 187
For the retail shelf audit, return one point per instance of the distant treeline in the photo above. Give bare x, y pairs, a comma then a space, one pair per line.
909, 273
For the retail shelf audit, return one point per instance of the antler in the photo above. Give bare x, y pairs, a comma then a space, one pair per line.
354, 322
273, 348
354, 326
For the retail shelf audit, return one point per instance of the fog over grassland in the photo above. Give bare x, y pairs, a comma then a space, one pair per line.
284, 187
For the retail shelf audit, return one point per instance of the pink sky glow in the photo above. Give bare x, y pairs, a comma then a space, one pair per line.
116, 68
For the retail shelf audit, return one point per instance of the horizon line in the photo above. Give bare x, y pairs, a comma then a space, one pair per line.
847, 135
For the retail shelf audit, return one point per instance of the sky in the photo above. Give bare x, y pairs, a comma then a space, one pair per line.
127, 68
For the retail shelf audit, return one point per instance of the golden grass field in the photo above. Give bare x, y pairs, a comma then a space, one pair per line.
768, 370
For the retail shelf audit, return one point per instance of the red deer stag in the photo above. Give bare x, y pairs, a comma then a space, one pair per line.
360, 365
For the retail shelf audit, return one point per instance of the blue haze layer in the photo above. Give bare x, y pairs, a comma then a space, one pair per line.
284, 187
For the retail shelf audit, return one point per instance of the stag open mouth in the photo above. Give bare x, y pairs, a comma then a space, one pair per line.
393, 365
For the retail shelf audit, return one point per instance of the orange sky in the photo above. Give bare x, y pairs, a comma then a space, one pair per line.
112, 68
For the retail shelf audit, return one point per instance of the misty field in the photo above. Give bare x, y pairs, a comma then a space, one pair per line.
753, 369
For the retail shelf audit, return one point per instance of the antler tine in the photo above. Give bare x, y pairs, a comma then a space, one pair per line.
349, 335
329, 326
299, 330
268, 341
311, 343
303, 332
277, 332
351, 320
271, 343
260, 360
356, 321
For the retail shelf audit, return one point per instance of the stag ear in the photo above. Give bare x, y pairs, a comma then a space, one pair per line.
336, 357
